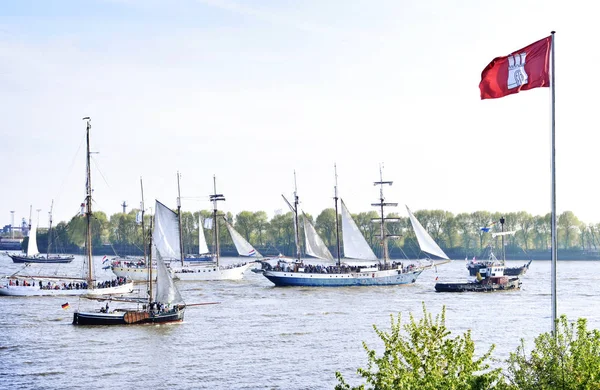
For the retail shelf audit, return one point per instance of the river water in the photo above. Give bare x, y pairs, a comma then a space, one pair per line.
263, 337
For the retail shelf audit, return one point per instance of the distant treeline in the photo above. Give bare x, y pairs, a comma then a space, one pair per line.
462, 235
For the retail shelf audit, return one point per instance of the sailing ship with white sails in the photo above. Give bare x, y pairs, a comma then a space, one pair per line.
194, 270
46, 285
361, 266
162, 305
33, 254
217, 271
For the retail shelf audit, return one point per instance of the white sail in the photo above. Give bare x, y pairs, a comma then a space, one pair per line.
243, 247
166, 292
166, 233
203, 248
32, 248
426, 243
355, 245
314, 244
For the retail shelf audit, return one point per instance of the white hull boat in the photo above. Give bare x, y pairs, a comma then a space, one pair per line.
35, 290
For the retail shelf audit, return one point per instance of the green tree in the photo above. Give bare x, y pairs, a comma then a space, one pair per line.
326, 227
568, 360
244, 224
464, 226
568, 224
261, 222
542, 231
481, 219
426, 358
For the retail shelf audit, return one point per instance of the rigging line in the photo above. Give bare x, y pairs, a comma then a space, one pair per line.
97, 166
62, 184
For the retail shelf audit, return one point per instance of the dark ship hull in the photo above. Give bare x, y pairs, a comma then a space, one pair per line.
41, 259
503, 283
128, 317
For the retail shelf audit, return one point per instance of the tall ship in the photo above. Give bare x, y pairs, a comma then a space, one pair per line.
174, 253
361, 267
19, 284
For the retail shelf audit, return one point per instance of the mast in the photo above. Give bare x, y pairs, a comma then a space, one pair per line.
29, 226
49, 229
296, 202
179, 218
502, 220
215, 198
382, 231
88, 201
337, 224
148, 260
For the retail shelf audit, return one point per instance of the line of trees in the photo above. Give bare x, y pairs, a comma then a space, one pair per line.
459, 235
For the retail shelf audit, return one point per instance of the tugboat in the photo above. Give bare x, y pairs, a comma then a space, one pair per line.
490, 274
491, 278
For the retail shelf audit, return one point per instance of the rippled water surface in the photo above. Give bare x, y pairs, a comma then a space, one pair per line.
263, 337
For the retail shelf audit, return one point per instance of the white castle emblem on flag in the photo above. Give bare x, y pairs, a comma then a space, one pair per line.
516, 70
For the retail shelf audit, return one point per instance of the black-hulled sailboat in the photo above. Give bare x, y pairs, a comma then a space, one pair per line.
164, 303
33, 255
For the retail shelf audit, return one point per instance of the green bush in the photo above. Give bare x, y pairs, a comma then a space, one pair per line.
426, 358
571, 360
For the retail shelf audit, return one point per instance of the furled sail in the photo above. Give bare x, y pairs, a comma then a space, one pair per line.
203, 247
166, 233
32, 248
426, 243
166, 292
314, 244
243, 247
355, 245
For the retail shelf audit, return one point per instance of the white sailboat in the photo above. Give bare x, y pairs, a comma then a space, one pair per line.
33, 254
203, 251
372, 271
38, 285
216, 271
168, 240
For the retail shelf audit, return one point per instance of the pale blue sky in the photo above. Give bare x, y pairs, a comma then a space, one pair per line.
252, 90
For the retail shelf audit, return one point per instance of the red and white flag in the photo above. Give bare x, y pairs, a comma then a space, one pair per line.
526, 68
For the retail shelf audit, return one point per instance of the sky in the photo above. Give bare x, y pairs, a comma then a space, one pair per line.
250, 92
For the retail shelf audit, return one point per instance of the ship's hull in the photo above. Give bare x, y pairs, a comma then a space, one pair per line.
210, 272
137, 274
511, 284
41, 260
508, 271
35, 290
372, 278
127, 317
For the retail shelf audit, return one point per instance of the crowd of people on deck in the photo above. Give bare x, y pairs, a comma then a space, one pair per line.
66, 286
129, 263
334, 269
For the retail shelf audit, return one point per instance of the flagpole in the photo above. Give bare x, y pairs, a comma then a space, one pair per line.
553, 201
